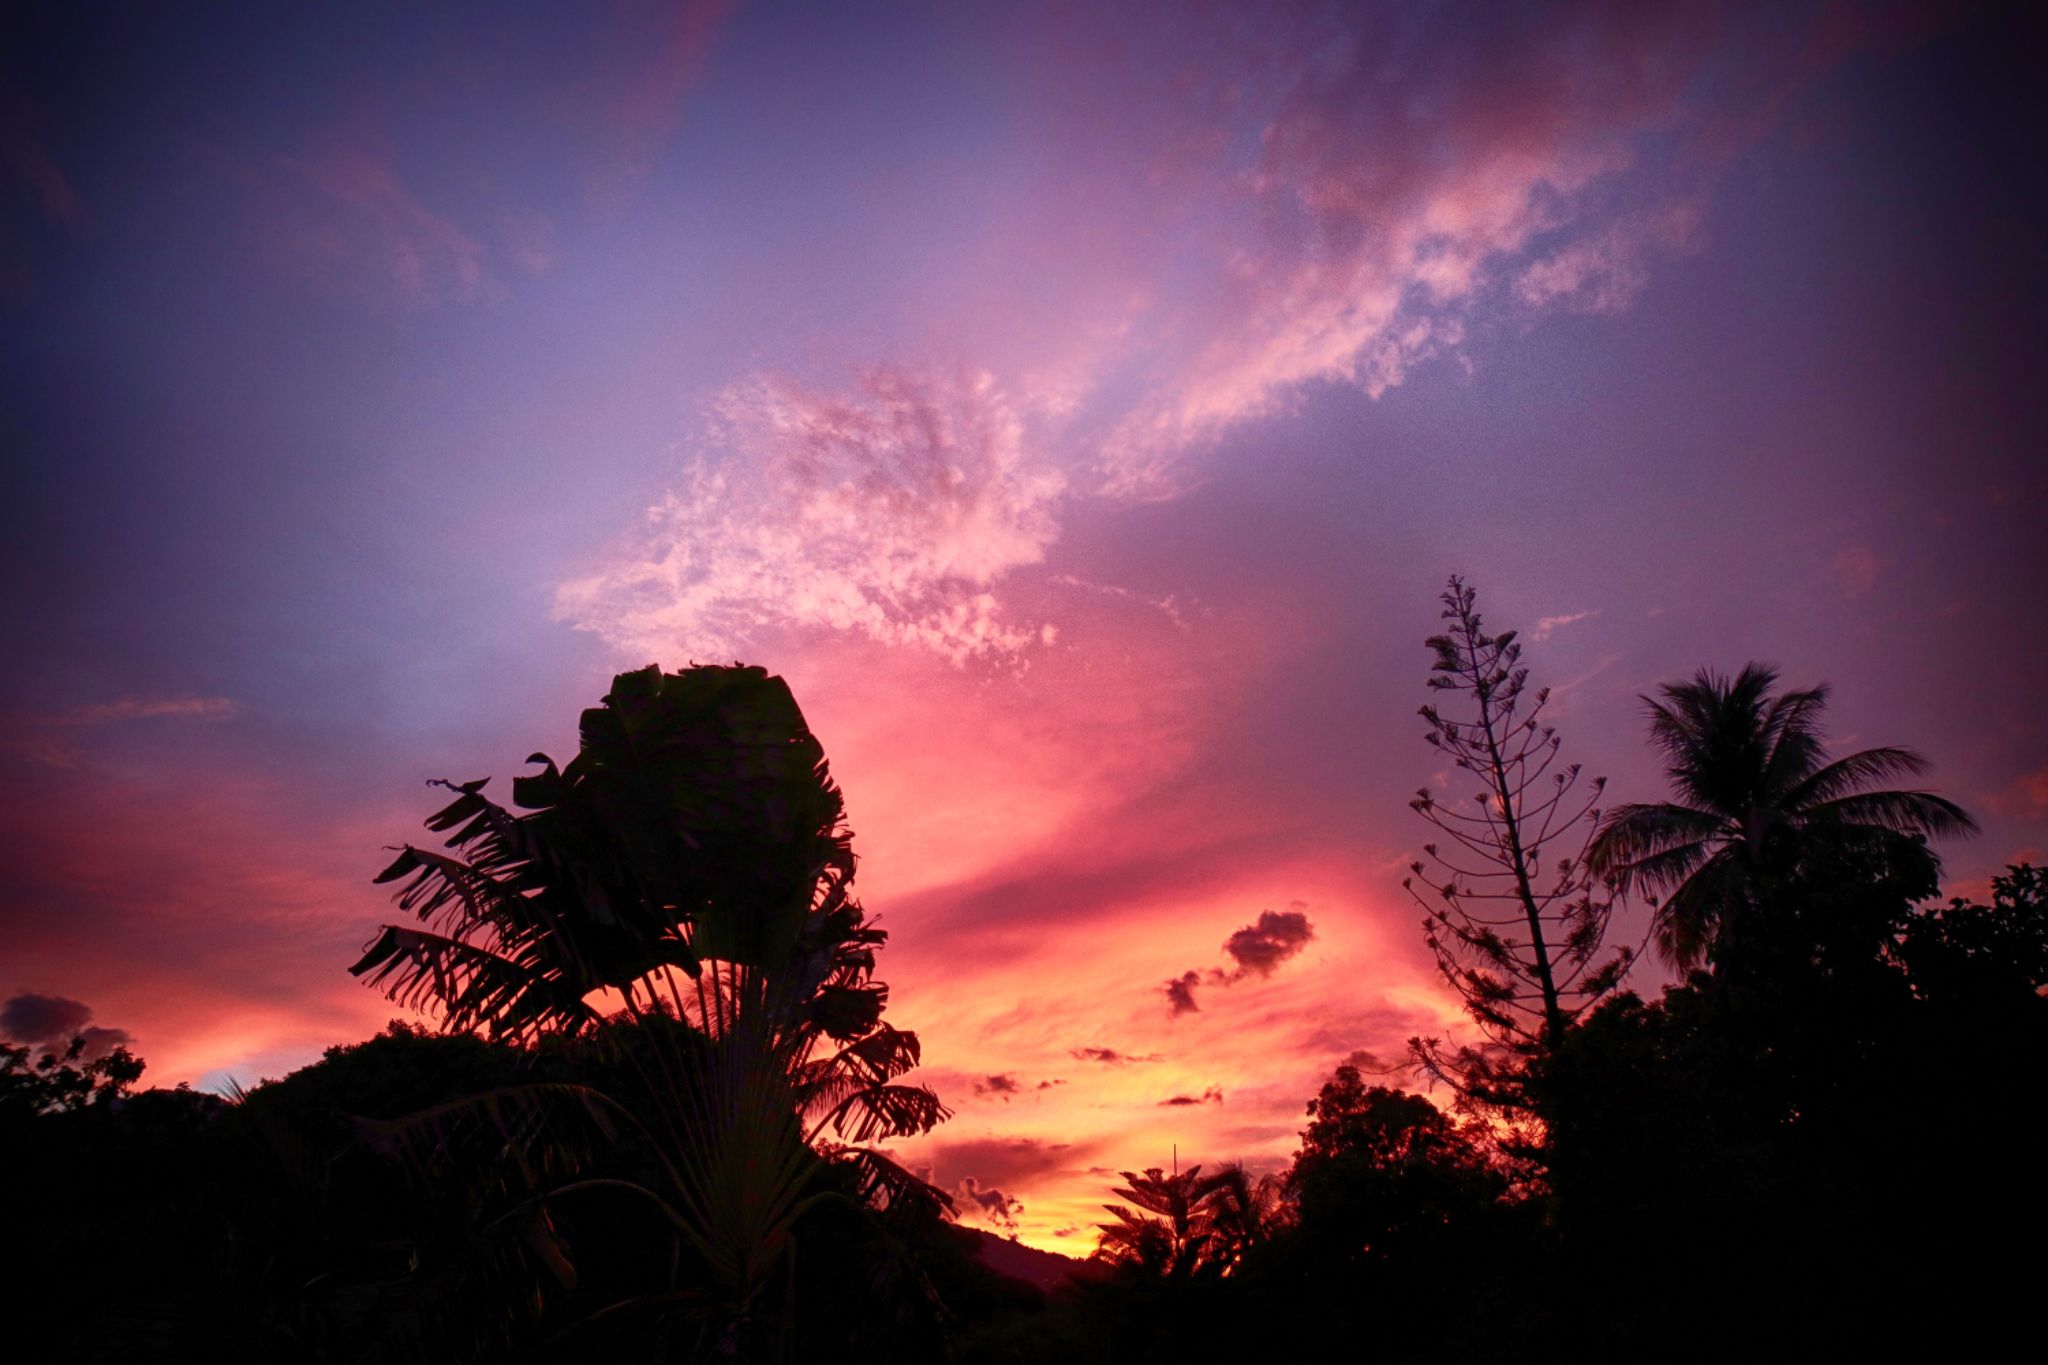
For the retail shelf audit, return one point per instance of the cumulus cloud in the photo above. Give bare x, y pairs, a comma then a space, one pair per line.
998, 1207
1109, 1056
893, 510
100, 1041
1258, 950
997, 1086
30, 1018
52, 1021
1261, 947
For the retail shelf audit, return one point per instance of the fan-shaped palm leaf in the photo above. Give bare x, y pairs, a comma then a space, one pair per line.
1756, 791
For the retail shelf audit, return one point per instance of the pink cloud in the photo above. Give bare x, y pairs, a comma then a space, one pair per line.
2027, 793
889, 510
1603, 273
1547, 624
237, 913
1410, 175
43, 738
635, 104
341, 216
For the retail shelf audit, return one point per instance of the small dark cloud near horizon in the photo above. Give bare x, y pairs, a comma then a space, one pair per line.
1210, 1096
52, 1021
1370, 1063
1006, 1162
31, 1018
1109, 1056
1258, 949
1047, 1085
1002, 1086
998, 1206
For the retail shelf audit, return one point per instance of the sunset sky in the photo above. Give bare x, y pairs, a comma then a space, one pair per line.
1081, 405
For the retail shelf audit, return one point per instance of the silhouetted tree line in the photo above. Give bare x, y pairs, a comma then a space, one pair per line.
647, 1130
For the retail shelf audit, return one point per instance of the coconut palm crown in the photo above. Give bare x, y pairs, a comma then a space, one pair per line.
1755, 794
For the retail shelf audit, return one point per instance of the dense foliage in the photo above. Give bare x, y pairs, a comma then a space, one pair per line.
1806, 1140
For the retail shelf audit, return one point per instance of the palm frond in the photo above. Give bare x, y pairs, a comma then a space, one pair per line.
1910, 812
471, 985
1847, 775
1629, 835
1690, 917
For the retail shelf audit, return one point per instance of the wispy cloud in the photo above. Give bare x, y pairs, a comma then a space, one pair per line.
1316, 212
341, 216
1545, 625
890, 509
639, 102
46, 738
1603, 272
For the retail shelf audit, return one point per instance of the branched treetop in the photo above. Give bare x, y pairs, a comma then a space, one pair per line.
698, 821
698, 834
1189, 1225
1515, 917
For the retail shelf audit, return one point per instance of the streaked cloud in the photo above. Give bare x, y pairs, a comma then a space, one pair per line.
48, 738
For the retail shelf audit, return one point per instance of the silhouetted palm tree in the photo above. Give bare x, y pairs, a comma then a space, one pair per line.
1191, 1225
1755, 793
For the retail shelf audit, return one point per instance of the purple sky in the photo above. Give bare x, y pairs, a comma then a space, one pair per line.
1081, 405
